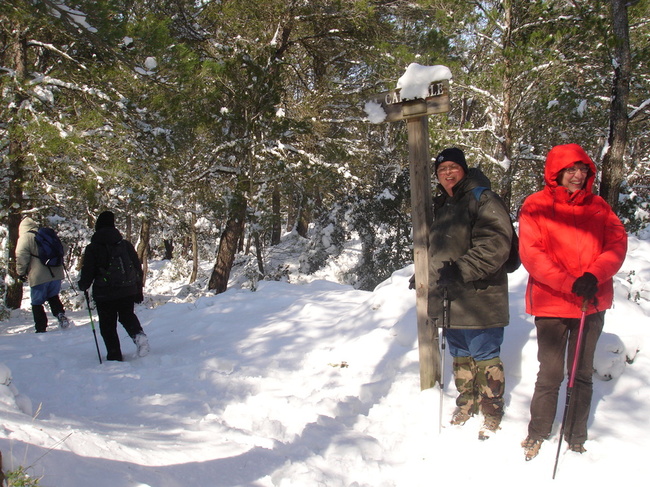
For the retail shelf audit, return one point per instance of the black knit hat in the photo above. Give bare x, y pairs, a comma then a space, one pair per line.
105, 219
452, 154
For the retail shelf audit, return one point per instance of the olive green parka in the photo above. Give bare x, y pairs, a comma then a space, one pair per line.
479, 248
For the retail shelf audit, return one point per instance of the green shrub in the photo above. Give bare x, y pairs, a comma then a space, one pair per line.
20, 478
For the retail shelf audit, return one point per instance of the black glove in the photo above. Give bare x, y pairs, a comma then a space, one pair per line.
412, 282
139, 297
449, 275
586, 286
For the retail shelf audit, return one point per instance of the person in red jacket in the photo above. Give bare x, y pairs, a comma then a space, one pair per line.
571, 244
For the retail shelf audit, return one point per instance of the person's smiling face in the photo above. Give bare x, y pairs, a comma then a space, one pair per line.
573, 178
449, 173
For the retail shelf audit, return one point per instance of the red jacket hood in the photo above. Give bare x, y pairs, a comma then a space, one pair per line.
563, 156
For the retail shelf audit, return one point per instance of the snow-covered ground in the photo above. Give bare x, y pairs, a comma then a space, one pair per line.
301, 384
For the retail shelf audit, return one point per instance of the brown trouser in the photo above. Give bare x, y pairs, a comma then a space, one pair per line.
552, 337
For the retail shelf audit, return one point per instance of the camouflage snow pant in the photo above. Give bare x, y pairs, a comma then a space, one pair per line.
480, 385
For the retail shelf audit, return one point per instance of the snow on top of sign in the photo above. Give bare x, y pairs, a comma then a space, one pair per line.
415, 81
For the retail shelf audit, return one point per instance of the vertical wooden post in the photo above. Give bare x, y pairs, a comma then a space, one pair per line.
421, 216
415, 112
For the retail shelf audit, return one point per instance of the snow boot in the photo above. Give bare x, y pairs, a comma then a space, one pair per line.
114, 355
64, 322
577, 447
531, 447
491, 424
460, 417
142, 343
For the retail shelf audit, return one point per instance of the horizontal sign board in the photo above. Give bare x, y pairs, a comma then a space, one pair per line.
396, 109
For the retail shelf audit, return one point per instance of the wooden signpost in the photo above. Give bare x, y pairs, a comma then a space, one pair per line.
415, 112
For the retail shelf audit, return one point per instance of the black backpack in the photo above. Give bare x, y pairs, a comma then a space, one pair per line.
50, 248
119, 271
513, 262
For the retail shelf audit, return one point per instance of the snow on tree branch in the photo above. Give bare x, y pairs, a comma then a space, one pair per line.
53, 48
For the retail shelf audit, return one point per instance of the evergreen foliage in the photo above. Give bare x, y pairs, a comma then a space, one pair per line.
167, 112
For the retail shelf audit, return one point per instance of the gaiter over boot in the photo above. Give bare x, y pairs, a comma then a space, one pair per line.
491, 384
465, 379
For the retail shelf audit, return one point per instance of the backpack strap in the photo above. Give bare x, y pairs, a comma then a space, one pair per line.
36, 256
473, 203
514, 261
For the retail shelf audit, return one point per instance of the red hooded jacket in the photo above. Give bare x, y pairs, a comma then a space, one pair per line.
562, 235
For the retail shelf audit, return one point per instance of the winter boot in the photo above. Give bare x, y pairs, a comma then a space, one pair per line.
531, 447
115, 355
491, 424
63, 320
142, 343
490, 382
465, 379
577, 447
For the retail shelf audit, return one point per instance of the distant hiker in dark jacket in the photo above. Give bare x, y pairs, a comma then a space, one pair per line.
466, 255
44, 282
111, 265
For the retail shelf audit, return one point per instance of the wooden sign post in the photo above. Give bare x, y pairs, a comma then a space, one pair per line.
416, 112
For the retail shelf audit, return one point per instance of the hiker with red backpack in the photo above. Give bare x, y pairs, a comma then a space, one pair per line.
43, 278
571, 243
469, 251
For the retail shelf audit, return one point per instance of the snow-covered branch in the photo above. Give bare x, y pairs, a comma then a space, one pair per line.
47, 80
53, 48
638, 110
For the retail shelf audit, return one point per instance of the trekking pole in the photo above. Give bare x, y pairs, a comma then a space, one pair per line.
70, 281
92, 325
572, 377
443, 346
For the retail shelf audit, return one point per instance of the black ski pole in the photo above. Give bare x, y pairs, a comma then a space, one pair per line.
443, 346
92, 325
572, 377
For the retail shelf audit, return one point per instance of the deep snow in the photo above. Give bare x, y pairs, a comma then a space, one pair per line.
311, 383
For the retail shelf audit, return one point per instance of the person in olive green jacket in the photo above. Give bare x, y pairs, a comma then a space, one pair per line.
469, 243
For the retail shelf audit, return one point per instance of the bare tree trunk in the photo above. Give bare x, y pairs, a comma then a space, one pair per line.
14, 296
169, 249
302, 222
17, 56
258, 253
228, 244
506, 119
276, 222
613, 161
293, 211
129, 227
2, 475
195, 249
144, 248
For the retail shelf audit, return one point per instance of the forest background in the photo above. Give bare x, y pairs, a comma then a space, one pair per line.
216, 128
